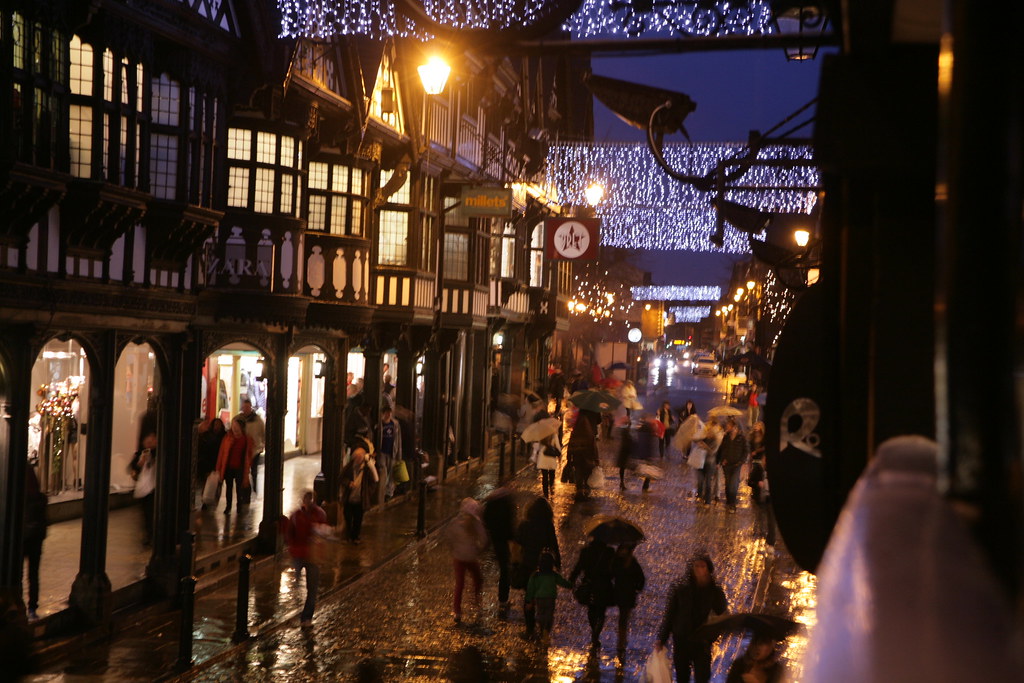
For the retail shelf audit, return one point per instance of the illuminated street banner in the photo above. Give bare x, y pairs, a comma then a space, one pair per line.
572, 239
486, 201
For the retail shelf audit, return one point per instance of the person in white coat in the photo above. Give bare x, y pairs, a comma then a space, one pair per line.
547, 453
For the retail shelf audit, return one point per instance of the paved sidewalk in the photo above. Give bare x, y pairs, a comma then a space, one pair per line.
147, 648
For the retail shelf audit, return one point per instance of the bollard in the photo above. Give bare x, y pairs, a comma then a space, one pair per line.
188, 544
188, 600
421, 510
242, 608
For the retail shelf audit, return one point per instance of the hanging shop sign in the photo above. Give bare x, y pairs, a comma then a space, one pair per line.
572, 239
487, 201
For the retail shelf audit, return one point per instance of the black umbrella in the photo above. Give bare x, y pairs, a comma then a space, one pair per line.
614, 530
761, 624
595, 400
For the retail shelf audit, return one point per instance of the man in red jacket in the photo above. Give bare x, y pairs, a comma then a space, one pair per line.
301, 540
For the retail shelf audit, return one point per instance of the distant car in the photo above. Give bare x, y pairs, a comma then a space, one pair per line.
704, 365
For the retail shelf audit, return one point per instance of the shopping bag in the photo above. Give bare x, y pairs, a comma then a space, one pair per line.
244, 495
658, 669
596, 478
698, 453
400, 473
649, 471
211, 490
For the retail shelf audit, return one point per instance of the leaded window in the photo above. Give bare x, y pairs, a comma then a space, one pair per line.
264, 171
338, 195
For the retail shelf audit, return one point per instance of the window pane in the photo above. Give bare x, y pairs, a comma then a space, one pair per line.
356, 225
317, 175
394, 238
263, 195
456, 256
80, 127
108, 75
317, 208
239, 143
286, 193
163, 166
266, 147
165, 100
358, 181
238, 187
339, 206
340, 179
81, 63
288, 152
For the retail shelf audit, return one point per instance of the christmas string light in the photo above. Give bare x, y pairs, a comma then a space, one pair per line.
677, 293
604, 18
645, 208
689, 314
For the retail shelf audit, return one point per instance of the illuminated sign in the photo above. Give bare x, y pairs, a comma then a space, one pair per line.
486, 201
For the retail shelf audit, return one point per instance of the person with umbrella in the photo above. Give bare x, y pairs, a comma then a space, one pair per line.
689, 605
596, 589
582, 452
707, 477
547, 449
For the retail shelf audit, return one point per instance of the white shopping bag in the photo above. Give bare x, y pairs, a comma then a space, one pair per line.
658, 669
211, 489
596, 478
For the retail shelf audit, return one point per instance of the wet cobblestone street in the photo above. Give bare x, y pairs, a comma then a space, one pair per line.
395, 623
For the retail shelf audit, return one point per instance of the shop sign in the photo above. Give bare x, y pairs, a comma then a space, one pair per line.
572, 239
486, 201
248, 258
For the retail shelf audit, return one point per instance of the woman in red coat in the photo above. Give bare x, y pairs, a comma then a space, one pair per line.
234, 460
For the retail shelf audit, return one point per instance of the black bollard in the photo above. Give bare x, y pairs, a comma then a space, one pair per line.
242, 608
188, 544
188, 601
421, 510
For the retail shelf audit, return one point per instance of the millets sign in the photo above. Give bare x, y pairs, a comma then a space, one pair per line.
487, 201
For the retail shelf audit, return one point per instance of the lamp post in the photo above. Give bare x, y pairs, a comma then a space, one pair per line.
433, 76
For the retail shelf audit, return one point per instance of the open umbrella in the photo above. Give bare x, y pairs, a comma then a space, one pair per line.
614, 530
632, 404
761, 624
724, 411
541, 429
618, 366
595, 400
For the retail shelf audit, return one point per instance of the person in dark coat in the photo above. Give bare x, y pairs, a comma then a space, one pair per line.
627, 582
690, 603
595, 566
358, 486
759, 663
535, 534
625, 452
208, 450
32, 535
556, 389
732, 454
644, 444
499, 518
582, 452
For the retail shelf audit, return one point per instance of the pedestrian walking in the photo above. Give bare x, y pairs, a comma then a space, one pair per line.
753, 406
542, 592
759, 663
707, 476
467, 539
208, 448
234, 461
536, 535
757, 480
690, 603
548, 452
629, 398
644, 444
389, 449
143, 471
624, 456
732, 453
256, 430
689, 408
667, 417
596, 589
627, 582
33, 534
556, 389
499, 517
301, 539
582, 452
358, 482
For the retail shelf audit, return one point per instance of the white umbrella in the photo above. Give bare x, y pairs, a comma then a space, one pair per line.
724, 411
541, 429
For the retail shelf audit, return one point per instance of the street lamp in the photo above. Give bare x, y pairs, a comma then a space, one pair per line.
594, 193
801, 237
434, 75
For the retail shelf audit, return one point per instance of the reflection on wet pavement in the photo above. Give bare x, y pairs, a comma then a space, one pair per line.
395, 623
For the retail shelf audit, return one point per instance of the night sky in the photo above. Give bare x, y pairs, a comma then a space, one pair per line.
735, 92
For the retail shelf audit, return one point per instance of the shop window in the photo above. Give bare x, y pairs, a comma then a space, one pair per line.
456, 256
392, 248
56, 439
537, 256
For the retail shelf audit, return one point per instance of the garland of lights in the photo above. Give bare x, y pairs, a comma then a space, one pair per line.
646, 209
321, 19
689, 314
677, 293
776, 305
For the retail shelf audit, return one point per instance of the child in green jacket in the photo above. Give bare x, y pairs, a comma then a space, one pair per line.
541, 591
